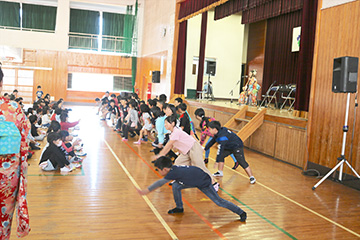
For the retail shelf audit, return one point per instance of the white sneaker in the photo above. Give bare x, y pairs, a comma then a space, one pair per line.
252, 180
65, 169
218, 174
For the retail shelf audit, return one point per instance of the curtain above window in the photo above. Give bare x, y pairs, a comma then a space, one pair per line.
9, 14
38, 17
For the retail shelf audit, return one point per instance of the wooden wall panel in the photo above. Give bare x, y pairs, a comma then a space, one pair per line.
145, 66
263, 139
338, 36
290, 144
54, 82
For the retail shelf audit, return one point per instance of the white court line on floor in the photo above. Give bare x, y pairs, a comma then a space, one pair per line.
157, 214
296, 203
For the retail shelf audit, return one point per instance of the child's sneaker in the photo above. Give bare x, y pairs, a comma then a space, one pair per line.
206, 160
124, 140
138, 142
252, 180
65, 169
218, 174
243, 217
176, 210
81, 153
144, 139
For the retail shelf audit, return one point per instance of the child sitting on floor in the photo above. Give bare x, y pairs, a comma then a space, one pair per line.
145, 131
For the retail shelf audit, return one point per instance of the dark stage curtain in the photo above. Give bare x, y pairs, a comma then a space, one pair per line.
257, 10
200, 75
191, 6
181, 59
280, 64
308, 29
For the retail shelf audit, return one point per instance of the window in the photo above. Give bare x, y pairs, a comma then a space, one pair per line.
92, 82
103, 31
22, 16
22, 80
38, 17
9, 15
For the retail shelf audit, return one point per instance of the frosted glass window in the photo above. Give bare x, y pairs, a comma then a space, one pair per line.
9, 76
25, 78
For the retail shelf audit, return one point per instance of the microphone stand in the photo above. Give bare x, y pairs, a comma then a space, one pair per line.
232, 90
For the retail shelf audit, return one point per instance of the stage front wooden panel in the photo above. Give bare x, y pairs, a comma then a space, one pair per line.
54, 81
283, 138
145, 66
338, 36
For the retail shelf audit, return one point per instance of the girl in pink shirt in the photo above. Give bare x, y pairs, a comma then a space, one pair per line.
190, 150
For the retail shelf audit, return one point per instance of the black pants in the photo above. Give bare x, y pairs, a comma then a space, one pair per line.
127, 129
239, 155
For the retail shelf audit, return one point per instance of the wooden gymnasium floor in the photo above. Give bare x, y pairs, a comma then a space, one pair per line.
99, 201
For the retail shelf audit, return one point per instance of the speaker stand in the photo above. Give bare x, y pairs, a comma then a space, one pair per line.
342, 158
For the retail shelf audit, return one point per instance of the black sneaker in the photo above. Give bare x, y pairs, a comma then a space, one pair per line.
177, 210
236, 164
243, 217
206, 160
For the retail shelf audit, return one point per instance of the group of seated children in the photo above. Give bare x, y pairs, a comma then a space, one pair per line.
50, 120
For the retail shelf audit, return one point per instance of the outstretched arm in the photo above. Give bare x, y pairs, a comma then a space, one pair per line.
153, 186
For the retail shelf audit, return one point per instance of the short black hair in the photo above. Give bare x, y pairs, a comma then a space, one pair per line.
32, 119
172, 108
171, 119
1, 74
97, 99
54, 127
151, 102
163, 162
53, 136
182, 106
112, 101
162, 97
215, 124
179, 99
63, 134
200, 112
15, 90
38, 86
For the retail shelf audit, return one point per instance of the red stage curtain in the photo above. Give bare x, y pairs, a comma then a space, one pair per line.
280, 64
308, 29
200, 75
191, 6
181, 59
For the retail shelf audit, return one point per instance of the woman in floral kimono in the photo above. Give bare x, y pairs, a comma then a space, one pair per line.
248, 96
13, 173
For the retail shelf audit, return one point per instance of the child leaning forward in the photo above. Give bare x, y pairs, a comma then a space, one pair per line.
188, 177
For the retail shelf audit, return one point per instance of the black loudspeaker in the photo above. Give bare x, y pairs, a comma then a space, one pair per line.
156, 76
345, 74
211, 68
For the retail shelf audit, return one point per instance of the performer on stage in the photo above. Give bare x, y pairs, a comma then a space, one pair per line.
248, 96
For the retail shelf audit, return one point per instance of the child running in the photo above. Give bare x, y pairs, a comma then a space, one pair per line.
188, 177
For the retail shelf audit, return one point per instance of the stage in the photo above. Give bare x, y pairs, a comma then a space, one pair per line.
281, 135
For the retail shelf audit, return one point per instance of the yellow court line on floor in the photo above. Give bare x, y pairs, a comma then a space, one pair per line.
293, 201
157, 214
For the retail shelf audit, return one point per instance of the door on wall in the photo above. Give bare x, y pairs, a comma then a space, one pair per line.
22, 80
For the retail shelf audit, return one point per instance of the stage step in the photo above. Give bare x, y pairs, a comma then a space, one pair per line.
233, 130
242, 119
250, 126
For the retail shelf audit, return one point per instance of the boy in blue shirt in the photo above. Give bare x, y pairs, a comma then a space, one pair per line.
39, 93
188, 177
229, 143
